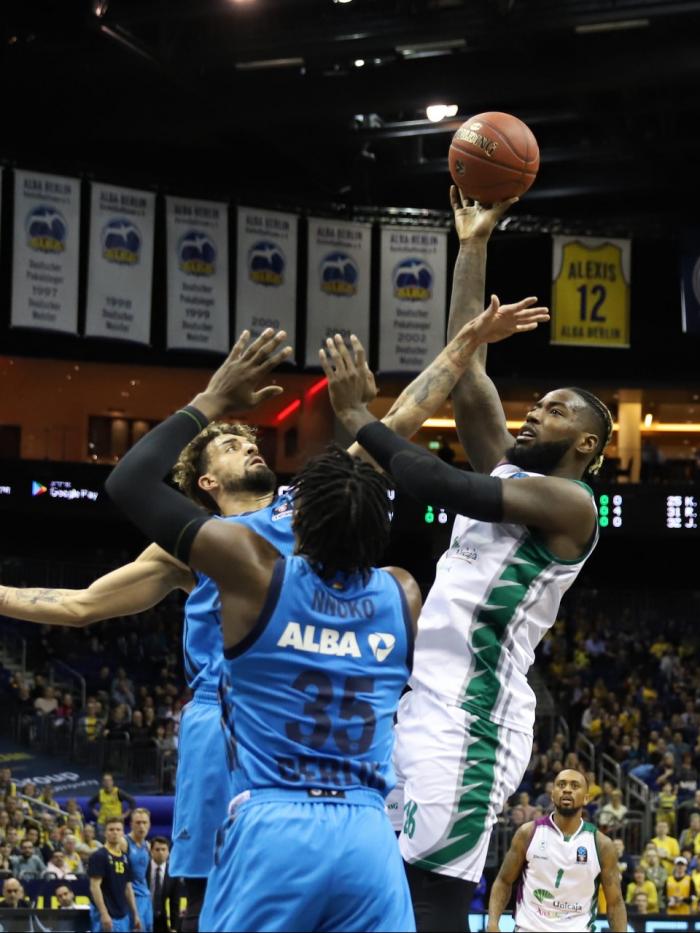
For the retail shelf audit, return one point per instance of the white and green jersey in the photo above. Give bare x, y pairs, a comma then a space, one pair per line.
558, 888
496, 593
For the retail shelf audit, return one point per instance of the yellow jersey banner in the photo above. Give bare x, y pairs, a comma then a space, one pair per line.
590, 292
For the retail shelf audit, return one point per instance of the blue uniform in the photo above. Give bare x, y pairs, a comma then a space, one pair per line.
309, 698
115, 872
139, 858
202, 790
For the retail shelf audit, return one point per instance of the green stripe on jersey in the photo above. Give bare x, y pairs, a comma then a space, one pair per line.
505, 596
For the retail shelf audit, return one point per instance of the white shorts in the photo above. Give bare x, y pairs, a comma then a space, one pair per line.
457, 771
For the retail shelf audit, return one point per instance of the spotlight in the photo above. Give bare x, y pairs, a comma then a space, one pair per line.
359, 62
100, 7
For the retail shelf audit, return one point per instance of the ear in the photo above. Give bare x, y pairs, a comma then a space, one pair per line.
207, 483
587, 444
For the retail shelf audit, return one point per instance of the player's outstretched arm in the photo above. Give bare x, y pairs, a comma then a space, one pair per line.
128, 590
507, 876
479, 415
430, 389
173, 521
610, 880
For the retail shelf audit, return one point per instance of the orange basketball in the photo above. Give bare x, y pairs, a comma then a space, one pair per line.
493, 157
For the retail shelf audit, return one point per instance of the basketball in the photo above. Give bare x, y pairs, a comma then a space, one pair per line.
493, 156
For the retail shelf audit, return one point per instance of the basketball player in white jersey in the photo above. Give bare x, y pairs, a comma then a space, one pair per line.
522, 533
559, 861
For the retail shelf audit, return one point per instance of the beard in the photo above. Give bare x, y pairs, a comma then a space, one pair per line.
567, 811
538, 457
259, 480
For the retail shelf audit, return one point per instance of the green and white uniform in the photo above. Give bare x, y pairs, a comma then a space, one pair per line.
558, 889
464, 732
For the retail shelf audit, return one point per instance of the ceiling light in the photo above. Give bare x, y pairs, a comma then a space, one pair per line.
648, 418
269, 63
359, 62
100, 7
437, 112
342, 1
615, 25
428, 49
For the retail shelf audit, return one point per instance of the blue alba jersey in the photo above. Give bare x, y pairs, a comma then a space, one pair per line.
139, 857
309, 695
203, 644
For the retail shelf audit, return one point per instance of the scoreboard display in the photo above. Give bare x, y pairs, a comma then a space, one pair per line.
649, 511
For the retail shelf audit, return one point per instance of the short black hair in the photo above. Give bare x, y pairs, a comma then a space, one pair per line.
341, 517
577, 770
159, 841
602, 415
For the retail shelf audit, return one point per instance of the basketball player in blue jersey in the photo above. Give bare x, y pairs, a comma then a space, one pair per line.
134, 844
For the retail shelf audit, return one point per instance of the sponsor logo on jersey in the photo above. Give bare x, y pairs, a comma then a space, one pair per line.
381, 645
582, 854
542, 894
463, 551
283, 510
392, 806
328, 641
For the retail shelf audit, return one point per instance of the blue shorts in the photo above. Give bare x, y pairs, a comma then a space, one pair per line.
119, 925
202, 787
144, 905
287, 862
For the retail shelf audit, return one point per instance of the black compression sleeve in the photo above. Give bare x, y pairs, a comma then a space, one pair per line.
428, 479
136, 484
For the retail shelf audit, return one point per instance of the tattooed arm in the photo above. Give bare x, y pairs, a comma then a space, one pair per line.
130, 589
430, 389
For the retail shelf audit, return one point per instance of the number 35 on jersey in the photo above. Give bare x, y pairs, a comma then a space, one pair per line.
591, 292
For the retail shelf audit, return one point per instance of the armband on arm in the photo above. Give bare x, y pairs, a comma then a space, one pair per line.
428, 479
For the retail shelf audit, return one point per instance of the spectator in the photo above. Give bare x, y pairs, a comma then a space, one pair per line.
7, 786
108, 802
522, 811
46, 704
90, 842
28, 866
90, 725
544, 800
52, 843
640, 904
642, 883
686, 808
666, 845
666, 802
74, 825
13, 895
689, 835
680, 892
72, 857
655, 871
6, 869
139, 733
46, 797
622, 863
66, 899
613, 813
666, 771
57, 868
594, 788
687, 778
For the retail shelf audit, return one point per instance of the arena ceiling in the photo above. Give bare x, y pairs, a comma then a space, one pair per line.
263, 98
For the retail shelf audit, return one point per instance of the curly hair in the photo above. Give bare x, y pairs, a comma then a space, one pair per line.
194, 460
342, 516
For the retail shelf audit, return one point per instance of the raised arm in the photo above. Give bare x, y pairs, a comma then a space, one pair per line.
431, 388
183, 529
479, 415
610, 880
130, 589
507, 876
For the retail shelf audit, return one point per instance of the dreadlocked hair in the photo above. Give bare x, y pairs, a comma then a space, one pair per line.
342, 515
602, 413
193, 461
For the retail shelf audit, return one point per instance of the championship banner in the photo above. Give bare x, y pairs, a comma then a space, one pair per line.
198, 295
411, 298
45, 252
120, 270
591, 292
266, 279
690, 283
337, 300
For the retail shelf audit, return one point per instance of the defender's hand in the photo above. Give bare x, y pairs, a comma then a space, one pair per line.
474, 220
232, 387
500, 321
347, 381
